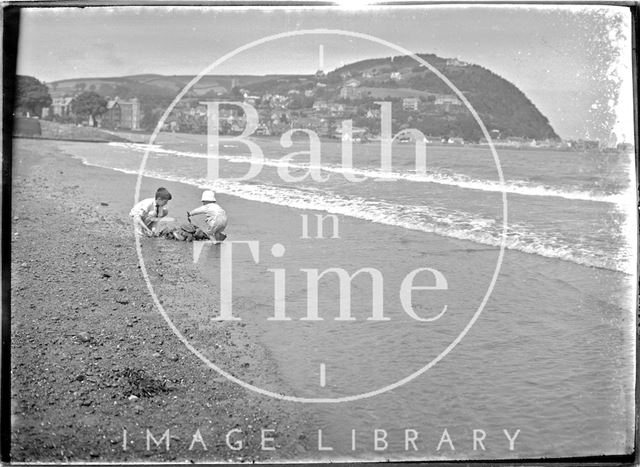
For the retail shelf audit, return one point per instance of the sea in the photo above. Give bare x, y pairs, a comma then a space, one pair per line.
494, 296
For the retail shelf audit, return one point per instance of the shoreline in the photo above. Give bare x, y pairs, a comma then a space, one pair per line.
511, 307
143, 138
493, 243
98, 359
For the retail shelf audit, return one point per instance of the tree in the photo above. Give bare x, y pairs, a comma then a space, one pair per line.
32, 95
89, 104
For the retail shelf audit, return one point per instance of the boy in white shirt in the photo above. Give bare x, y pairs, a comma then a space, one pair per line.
215, 216
147, 213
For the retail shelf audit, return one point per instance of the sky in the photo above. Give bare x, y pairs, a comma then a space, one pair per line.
573, 63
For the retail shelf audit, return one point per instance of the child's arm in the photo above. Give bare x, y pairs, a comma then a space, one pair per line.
196, 211
138, 221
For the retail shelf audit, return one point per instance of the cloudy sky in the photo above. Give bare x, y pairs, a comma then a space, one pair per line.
569, 61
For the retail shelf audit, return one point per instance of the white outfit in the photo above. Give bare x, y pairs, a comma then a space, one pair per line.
215, 218
149, 212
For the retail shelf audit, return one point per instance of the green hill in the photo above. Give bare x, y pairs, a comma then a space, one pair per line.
167, 86
505, 110
501, 105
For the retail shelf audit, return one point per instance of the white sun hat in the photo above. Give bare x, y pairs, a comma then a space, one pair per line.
208, 195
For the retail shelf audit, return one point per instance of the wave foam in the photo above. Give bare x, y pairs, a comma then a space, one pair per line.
440, 221
518, 187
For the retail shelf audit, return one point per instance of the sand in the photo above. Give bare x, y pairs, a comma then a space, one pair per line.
91, 356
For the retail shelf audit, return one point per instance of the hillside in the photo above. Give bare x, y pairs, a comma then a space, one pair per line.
420, 99
161, 85
500, 104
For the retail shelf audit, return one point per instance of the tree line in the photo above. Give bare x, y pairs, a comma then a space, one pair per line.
32, 96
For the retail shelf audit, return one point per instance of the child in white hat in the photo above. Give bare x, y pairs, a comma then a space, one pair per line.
215, 216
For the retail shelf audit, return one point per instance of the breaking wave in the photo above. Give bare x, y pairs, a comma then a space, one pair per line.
440, 221
518, 187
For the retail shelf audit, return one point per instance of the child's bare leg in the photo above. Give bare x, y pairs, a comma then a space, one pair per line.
213, 235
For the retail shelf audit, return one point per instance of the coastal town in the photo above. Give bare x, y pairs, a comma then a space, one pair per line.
317, 102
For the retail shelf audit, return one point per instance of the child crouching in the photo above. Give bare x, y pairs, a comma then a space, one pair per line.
215, 216
147, 213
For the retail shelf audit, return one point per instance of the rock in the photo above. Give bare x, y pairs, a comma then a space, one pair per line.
80, 378
84, 336
133, 397
104, 204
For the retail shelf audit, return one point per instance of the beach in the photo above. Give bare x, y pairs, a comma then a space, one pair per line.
550, 354
82, 317
431, 253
